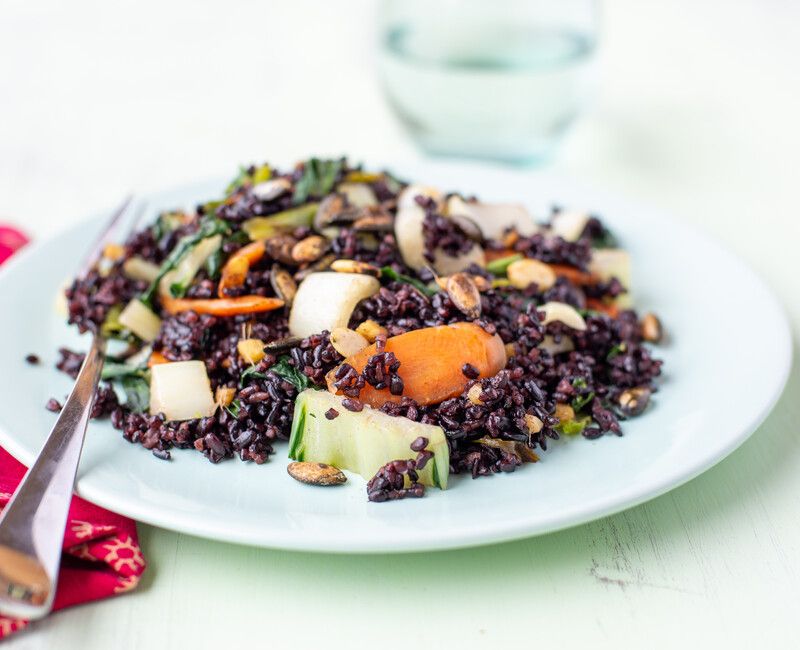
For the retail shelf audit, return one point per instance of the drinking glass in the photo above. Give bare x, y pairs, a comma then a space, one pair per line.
500, 79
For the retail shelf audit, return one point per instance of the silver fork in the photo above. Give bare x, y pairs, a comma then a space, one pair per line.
32, 524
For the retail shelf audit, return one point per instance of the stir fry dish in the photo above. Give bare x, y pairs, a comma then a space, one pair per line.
389, 329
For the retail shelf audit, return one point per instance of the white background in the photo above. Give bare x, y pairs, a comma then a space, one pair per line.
698, 113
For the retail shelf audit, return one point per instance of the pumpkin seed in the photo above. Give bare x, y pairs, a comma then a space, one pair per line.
354, 266
316, 473
309, 249
482, 283
334, 210
347, 342
633, 401
320, 265
525, 272
651, 328
465, 295
281, 345
283, 283
374, 220
271, 189
280, 248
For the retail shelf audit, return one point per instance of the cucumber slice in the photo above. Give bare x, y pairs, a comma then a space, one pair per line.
362, 442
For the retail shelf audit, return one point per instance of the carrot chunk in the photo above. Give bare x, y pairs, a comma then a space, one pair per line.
234, 273
222, 306
431, 362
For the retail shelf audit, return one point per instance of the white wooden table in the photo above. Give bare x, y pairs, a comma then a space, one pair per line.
698, 114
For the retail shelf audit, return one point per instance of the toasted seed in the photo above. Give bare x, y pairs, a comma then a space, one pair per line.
373, 220
354, 266
370, 330
281, 345
474, 394
283, 283
334, 210
651, 328
280, 248
511, 349
271, 189
525, 272
347, 342
224, 396
564, 412
482, 283
465, 295
251, 350
316, 473
533, 423
633, 401
320, 265
309, 249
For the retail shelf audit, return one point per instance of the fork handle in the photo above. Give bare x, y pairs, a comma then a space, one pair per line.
32, 524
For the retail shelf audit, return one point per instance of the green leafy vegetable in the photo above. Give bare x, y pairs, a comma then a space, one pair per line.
582, 400
166, 223
233, 408
616, 351
290, 373
265, 227
209, 227
318, 179
137, 393
283, 369
605, 239
389, 272
214, 264
573, 427
244, 177
111, 327
500, 265
116, 370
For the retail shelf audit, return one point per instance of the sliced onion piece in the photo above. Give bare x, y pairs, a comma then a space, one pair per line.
569, 224
494, 218
566, 344
325, 301
610, 263
181, 391
411, 242
191, 263
564, 313
138, 268
140, 320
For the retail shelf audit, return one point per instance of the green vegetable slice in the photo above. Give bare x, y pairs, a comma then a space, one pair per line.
424, 289
500, 265
209, 227
318, 179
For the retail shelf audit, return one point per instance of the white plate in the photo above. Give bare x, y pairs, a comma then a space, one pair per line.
726, 362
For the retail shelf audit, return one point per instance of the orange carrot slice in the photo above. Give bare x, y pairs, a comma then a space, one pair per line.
156, 358
609, 308
234, 273
222, 306
431, 360
574, 275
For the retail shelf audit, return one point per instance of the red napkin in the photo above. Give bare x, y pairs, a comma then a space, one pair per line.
101, 549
